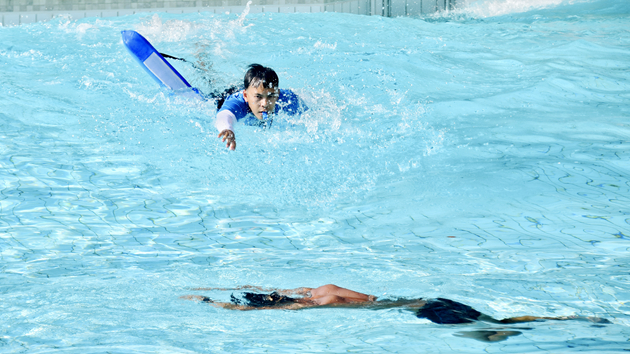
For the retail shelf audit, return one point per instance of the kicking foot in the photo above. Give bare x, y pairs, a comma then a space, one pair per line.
593, 319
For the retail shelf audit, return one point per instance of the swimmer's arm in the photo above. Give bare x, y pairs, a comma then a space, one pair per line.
225, 120
231, 306
296, 291
228, 138
242, 287
225, 125
209, 301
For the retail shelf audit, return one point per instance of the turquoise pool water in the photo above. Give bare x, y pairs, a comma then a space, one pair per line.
481, 155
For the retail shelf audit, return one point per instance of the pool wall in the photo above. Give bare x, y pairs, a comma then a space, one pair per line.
16, 12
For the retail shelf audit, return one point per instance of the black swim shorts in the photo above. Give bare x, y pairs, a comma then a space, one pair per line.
445, 311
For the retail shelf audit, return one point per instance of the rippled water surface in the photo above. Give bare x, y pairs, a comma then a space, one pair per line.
480, 155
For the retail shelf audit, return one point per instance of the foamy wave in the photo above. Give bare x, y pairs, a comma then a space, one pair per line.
210, 36
490, 8
156, 30
325, 112
221, 30
69, 25
323, 45
30, 53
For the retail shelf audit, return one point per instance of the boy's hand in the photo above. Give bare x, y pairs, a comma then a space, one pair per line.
228, 136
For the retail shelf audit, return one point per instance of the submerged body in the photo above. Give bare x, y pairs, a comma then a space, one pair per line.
440, 310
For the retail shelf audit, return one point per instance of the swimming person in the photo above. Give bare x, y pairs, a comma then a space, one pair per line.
260, 99
440, 310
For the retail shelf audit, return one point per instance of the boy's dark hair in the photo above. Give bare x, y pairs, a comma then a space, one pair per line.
258, 74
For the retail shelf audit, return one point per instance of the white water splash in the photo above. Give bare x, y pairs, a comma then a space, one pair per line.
70, 25
241, 18
155, 30
323, 45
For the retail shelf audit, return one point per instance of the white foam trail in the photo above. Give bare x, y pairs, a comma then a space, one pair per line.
156, 30
490, 8
241, 18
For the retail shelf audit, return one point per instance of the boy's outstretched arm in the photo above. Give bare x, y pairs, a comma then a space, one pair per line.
225, 125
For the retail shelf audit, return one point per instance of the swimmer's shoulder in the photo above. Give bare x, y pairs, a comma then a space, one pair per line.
291, 103
236, 104
287, 94
235, 98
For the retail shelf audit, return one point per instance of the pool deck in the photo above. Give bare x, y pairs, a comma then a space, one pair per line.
17, 12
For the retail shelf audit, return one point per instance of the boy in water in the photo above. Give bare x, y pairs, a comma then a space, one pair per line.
256, 104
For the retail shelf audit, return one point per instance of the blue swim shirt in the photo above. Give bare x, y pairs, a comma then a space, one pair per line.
288, 102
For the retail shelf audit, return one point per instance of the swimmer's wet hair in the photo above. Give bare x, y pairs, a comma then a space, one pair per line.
258, 74
262, 300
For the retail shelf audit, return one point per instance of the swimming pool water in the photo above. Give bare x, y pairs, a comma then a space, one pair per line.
480, 155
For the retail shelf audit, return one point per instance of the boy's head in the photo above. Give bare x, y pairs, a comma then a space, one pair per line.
257, 75
261, 89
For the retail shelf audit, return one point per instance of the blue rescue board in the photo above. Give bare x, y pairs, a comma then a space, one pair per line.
156, 66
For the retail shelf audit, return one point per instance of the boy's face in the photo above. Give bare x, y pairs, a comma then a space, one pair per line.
261, 99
